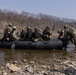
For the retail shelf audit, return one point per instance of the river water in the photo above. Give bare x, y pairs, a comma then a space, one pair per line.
39, 56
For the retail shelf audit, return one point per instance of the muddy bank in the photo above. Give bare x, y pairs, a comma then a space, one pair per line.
52, 67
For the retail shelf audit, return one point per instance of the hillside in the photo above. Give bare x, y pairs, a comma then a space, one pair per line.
24, 19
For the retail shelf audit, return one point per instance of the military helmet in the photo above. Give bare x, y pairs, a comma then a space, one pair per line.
28, 27
14, 27
47, 27
36, 28
59, 31
9, 24
65, 26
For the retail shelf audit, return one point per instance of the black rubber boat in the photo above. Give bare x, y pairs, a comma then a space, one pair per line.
51, 44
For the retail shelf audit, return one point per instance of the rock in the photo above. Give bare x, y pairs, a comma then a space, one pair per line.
69, 65
73, 63
65, 62
32, 62
70, 71
39, 74
5, 73
48, 67
30, 69
0, 72
67, 58
57, 60
58, 73
8, 64
44, 73
15, 62
24, 60
44, 66
56, 66
13, 68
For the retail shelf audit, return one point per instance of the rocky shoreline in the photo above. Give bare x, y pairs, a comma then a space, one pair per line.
57, 67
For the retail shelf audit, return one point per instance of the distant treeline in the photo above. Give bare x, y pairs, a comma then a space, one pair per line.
24, 19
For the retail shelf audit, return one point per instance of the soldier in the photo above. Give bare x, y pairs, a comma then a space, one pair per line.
14, 34
22, 34
37, 36
70, 33
74, 37
60, 33
29, 33
7, 32
47, 34
66, 32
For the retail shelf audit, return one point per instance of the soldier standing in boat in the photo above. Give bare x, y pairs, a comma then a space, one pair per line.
37, 36
7, 32
29, 33
47, 33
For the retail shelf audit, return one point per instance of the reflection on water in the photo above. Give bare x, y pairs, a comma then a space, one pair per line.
7, 55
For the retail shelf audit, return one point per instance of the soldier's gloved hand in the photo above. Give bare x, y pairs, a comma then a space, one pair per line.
7, 39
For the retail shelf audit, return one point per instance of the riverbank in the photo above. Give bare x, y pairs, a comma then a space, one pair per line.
55, 66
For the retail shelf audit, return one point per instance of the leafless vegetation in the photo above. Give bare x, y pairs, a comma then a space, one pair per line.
24, 19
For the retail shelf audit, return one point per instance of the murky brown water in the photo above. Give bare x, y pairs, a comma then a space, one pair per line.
40, 56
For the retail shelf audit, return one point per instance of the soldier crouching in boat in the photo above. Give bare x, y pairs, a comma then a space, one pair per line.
14, 34
37, 36
29, 34
23, 34
47, 34
7, 32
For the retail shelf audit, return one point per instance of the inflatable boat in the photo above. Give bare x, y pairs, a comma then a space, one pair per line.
51, 44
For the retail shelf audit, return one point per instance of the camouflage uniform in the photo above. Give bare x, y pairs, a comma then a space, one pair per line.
66, 32
14, 34
47, 34
29, 34
7, 32
37, 36
70, 33
23, 34
74, 37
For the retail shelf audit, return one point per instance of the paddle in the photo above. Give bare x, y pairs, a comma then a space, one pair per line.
53, 28
13, 46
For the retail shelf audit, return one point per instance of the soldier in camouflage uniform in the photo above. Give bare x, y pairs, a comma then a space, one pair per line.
29, 33
47, 33
37, 36
66, 32
7, 32
70, 33
23, 34
74, 37
14, 34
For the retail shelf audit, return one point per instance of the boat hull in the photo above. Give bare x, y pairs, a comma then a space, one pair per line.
51, 44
